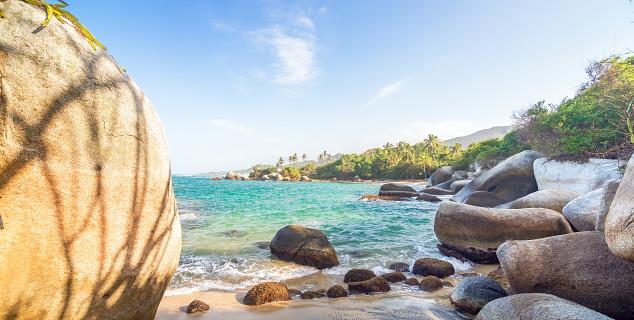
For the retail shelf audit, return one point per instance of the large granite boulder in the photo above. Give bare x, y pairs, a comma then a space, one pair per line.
438, 191
548, 198
397, 190
232, 176
474, 292
583, 212
266, 292
89, 226
577, 266
609, 192
619, 226
513, 178
575, 176
439, 176
457, 185
476, 232
304, 246
536, 306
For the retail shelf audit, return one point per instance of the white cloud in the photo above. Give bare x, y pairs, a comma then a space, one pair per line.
322, 10
388, 90
306, 22
222, 26
232, 126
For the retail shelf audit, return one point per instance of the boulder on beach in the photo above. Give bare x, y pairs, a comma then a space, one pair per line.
428, 197
439, 176
307, 295
430, 283
457, 185
609, 192
397, 190
473, 293
513, 178
337, 291
476, 232
460, 175
399, 266
394, 276
356, 275
90, 227
412, 281
548, 198
266, 292
197, 306
583, 212
577, 266
437, 191
433, 267
573, 175
304, 246
536, 306
619, 229
376, 284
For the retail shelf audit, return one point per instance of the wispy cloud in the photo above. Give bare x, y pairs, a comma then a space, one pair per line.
294, 49
323, 10
222, 26
228, 125
388, 90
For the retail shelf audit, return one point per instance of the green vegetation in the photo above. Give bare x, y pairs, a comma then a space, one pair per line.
291, 172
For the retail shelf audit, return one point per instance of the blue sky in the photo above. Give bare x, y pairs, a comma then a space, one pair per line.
243, 82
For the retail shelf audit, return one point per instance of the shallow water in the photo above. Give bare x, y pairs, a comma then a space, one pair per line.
227, 226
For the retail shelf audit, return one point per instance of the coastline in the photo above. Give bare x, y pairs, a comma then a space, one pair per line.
401, 304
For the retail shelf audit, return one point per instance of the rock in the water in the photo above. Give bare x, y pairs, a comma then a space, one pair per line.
394, 277
536, 306
306, 179
577, 266
91, 229
452, 253
439, 176
457, 185
548, 198
294, 292
337, 291
476, 232
232, 176
437, 191
433, 267
304, 246
428, 197
307, 295
619, 226
498, 276
356, 275
399, 266
430, 283
266, 292
376, 284
513, 178
609, 192
397, 190
583, 212
575, 176
412, 281
197, 306
474, 292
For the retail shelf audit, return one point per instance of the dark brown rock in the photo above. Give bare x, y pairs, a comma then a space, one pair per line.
304, 246
397, 190
356, 275
294, 292
266, 292
197, 306
337, 291
376, 284
306, 295
430, 283
498, 276
399, 266
394, 277
428, 197
484, 256
433, 267
411, 282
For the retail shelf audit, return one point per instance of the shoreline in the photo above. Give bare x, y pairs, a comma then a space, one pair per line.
401, 304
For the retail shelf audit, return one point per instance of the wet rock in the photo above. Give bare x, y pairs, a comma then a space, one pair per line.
428, 197
337, 291
433, 267
549, 199
264, 245
356, 275
197, 306
266, 292
294, 292
411, 282
376, 284
394, 277
473, 293
399, 266
307, 295
430, 283
452, 253
536, 306
513, 178
397, 190
583, 212
304, 246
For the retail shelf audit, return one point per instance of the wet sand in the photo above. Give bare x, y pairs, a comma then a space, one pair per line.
399, 304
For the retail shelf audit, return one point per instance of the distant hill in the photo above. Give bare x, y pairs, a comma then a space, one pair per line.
299, 164
494, 132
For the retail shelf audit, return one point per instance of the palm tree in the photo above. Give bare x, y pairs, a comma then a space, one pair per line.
293, 158
432, 143
387, 146
320, 158
304, 157
280, 162
455, 150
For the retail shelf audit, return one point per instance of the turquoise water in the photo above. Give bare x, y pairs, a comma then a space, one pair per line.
227, 226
